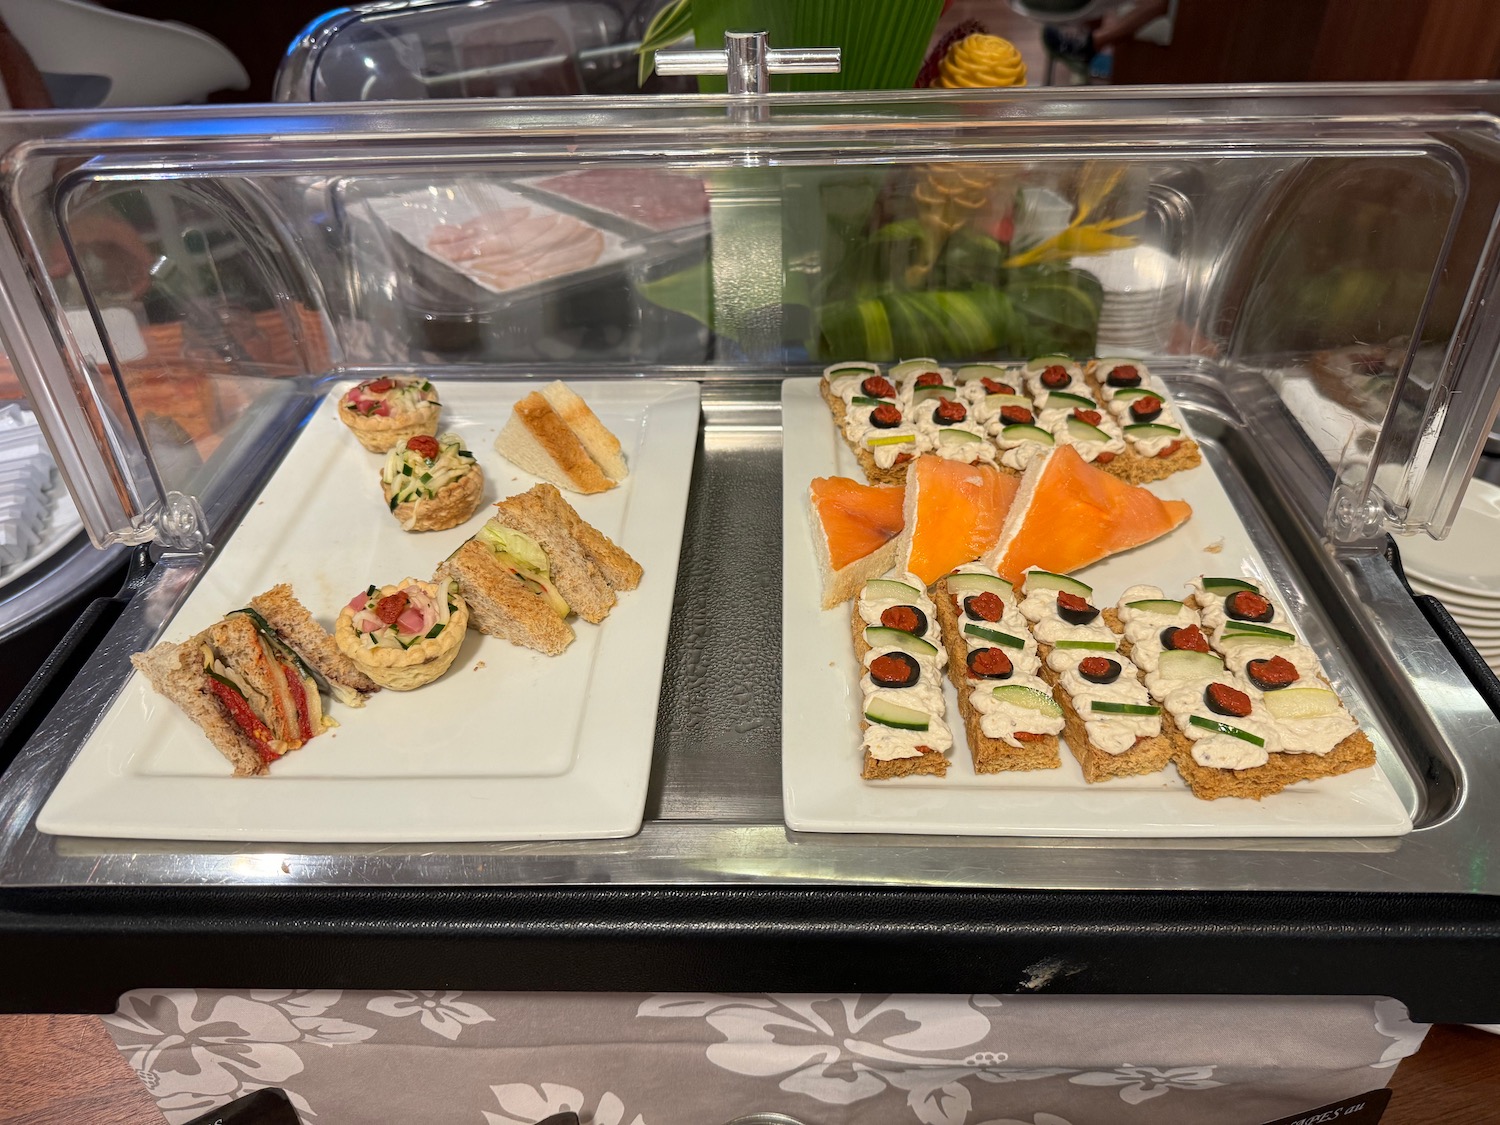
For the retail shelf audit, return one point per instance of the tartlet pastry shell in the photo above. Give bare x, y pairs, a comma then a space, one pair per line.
378, 433
405, 669
454, 503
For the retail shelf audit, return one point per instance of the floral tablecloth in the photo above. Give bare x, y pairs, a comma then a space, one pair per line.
702, 1059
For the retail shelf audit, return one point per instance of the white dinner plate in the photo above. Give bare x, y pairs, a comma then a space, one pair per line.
508, 745
1477, 604
820, 756
1468, 560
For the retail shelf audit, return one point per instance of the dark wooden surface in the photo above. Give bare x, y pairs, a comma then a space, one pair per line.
64, 1070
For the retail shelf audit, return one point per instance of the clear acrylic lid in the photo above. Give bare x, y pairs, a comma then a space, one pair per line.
177, 284
464, 49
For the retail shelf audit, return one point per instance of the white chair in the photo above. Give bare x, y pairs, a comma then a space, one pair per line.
91, 56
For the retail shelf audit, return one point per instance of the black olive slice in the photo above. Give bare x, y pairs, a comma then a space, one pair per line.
895, 670
1099, 669
990, 664
1075, 610
1242, 605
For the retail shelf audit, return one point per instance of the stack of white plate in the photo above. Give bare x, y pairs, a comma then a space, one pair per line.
1463, 570
1142, 291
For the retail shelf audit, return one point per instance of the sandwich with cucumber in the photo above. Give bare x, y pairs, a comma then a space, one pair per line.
254, 681
535, 564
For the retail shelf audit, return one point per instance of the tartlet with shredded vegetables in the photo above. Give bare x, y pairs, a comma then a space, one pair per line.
431, 483
385, 412
403, 636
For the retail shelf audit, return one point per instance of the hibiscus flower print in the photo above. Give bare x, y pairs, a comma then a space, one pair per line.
844, 1049
1141, 1083
197, 1053
525, 1105
440, 1012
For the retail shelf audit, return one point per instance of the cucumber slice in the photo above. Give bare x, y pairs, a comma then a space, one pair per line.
1130, 394
1157, 605
914, 367
937, 390
1105, 362
844, 370
1226, 586
1091, 646
1108, 707
1069, 400
1183, 664
866, 400
1023, 432
1255, 630
951, 435
879, 636
964, 585
1044, 361
892, 439
889, 714
1046, 580
1231, 639
1019, 695
1079, 430
1142, 431
884, 588
999, 402
1224, 728
972, 372
994, 636
1302, 703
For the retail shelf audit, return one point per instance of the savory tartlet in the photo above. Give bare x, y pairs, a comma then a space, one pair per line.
385, 412
403, 636
431, 483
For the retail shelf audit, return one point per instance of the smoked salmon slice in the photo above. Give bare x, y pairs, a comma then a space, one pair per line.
1071, 514
855, 526
954, 513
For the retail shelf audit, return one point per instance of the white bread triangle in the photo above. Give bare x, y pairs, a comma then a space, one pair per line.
537, 440
840, 586
602, 445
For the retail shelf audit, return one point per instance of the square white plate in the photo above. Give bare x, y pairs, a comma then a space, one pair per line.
508, 745
820, 752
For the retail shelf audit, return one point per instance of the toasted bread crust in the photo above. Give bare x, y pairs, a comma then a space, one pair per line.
990, 755
601, 445
573, 572
295, 625
176, 672
896, 474
876, 769
538, 440
500, 606
614, 562
1209, 783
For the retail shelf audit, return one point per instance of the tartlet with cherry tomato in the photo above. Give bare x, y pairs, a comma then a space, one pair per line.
431, 483
385, 412
403, 636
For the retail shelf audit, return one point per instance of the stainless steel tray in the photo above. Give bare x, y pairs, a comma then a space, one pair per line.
714, 811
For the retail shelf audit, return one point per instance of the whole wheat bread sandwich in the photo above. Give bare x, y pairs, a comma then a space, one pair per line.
553, 434
535, 563
251, 681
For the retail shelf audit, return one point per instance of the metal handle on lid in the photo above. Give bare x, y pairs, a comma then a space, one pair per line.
748, 61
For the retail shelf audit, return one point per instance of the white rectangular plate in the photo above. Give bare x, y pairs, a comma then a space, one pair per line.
820, 753
508, 745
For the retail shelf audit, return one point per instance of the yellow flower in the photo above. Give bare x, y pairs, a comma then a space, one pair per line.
981, 60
